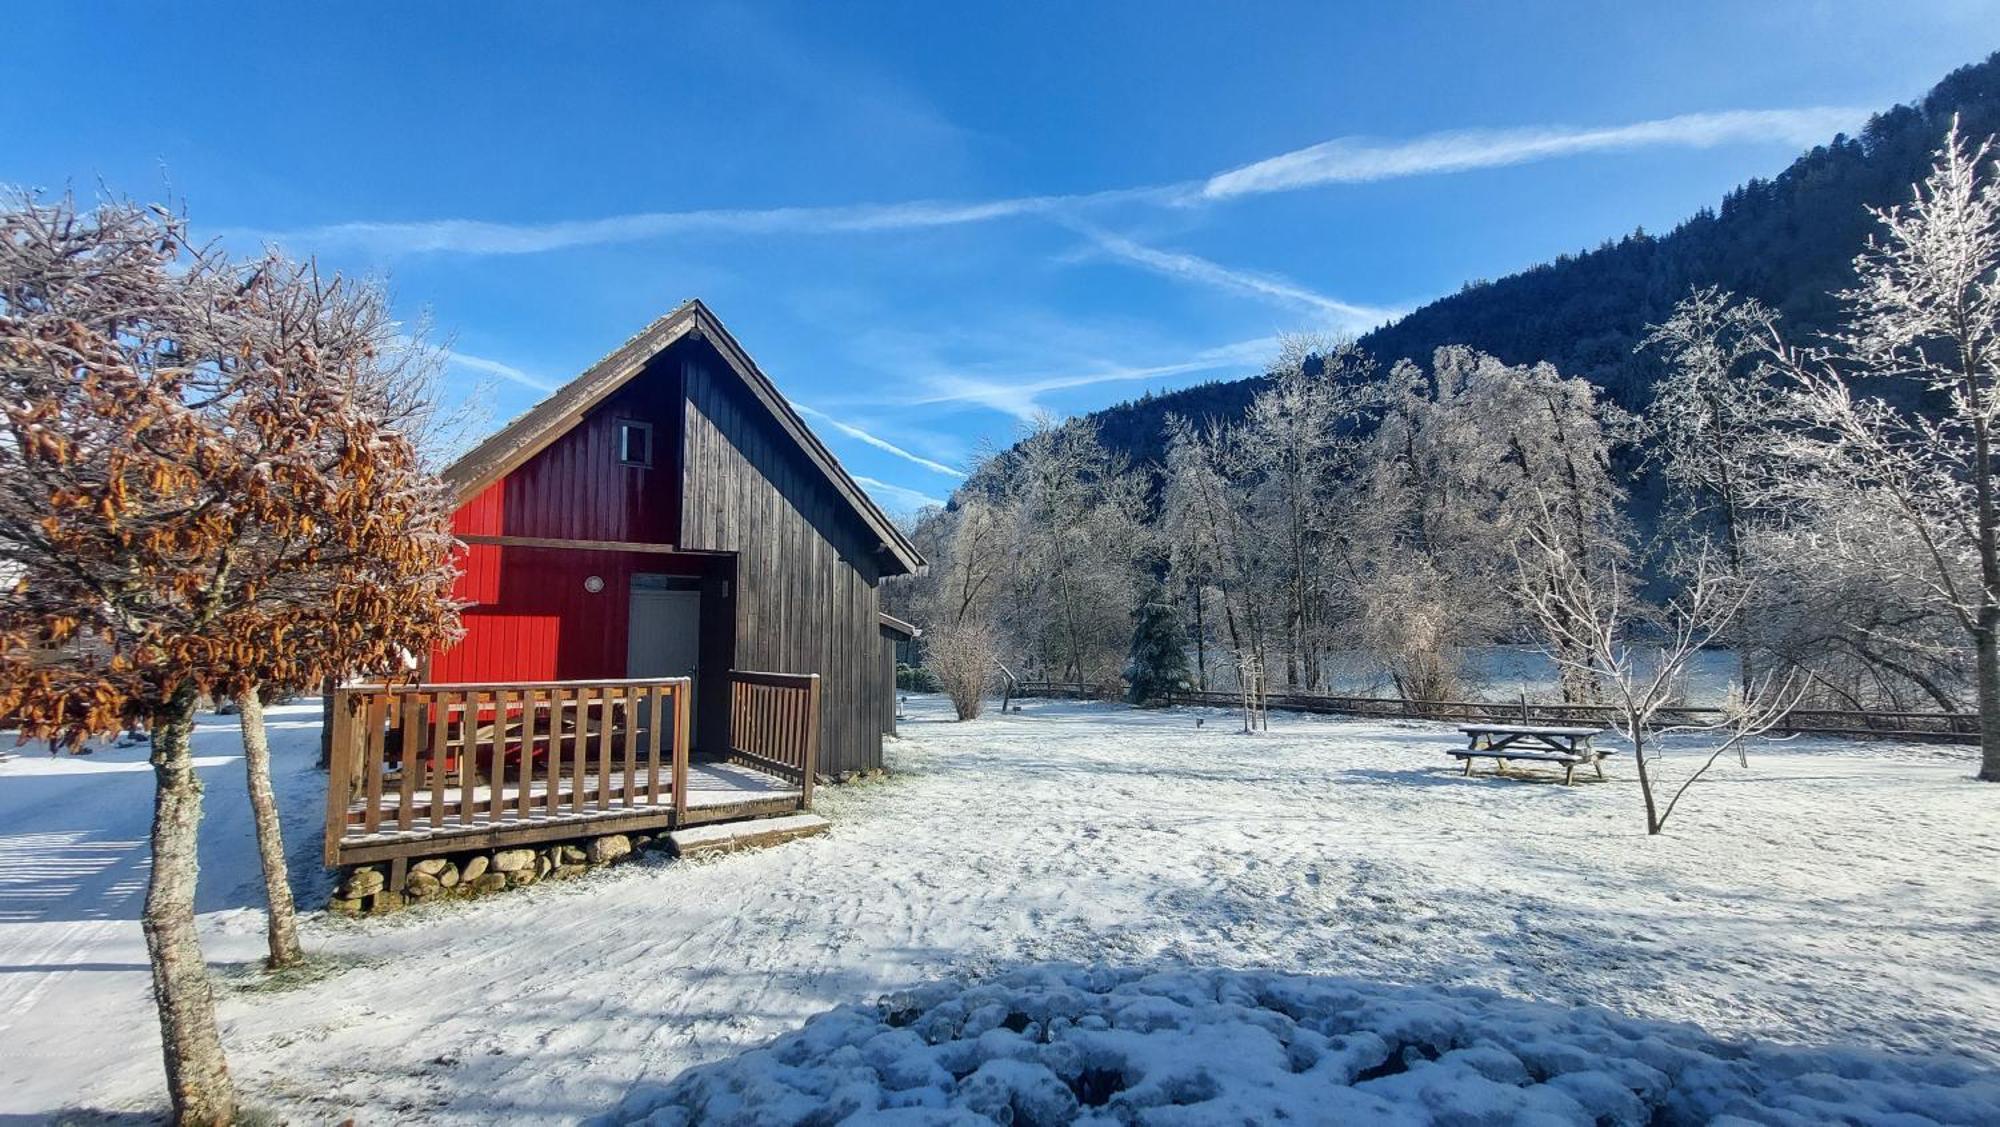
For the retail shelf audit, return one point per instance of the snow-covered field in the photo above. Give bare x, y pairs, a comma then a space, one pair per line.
1832, 894
1055, 1044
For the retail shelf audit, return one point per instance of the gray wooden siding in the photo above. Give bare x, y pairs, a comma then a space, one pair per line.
887, 679
805, 587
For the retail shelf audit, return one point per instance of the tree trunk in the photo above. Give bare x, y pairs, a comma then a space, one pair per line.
326, 722
197, 1075
1200, 640
1987, 640
1636, 732
282, 929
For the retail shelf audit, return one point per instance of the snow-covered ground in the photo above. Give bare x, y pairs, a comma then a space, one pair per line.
1056, 1044
1832, 894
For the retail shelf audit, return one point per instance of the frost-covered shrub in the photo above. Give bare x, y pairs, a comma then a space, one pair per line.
1066, 1044
962, 657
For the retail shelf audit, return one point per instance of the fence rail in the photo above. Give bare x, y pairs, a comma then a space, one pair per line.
449, 760
774, 725
1955, 727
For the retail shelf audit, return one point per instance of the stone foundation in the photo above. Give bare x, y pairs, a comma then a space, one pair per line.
364, 889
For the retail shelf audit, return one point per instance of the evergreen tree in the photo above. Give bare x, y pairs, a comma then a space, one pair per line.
1158, 664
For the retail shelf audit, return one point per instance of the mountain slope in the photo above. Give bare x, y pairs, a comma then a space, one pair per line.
1787, 241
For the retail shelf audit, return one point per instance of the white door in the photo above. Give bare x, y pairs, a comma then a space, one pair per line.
663, 636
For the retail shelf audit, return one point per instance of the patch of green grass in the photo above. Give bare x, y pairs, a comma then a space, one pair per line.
255, 978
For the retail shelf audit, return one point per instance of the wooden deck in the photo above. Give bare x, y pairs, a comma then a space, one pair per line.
443, 768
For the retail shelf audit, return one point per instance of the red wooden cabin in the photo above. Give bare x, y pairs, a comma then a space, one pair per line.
663, 534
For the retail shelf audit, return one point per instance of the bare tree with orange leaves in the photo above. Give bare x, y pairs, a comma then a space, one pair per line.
340, 344
195, 499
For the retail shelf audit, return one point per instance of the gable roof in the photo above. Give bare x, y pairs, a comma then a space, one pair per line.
532, 432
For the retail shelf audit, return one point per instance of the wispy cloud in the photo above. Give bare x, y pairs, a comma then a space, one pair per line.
474, 236
1355, 160
1021, 396
879, 443
1342, 160
899, 497
490, 367
1176, 264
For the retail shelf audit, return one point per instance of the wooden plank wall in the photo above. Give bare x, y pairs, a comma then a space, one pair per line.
806, 574
577, 489
888, 680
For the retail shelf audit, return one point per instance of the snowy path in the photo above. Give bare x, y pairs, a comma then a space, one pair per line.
1832, 893
73, 867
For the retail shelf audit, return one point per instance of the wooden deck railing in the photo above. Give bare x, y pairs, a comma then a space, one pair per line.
774, 725
451, 760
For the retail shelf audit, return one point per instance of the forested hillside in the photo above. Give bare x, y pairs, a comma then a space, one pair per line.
1467, 477
1788, 241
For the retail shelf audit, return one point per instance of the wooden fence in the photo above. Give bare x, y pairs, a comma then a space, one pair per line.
1951, 727
774, 725
500, 761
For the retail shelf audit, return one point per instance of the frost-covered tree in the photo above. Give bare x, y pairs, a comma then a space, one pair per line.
1834, 600
1157, 664
334, 343
163, 480
1213, 547
1711, 413
1421, 599
1600, 637
1296, 445
1538, 446
1925, 309
1076, 544
955, 601
961, 656
1466, 462
1710, 417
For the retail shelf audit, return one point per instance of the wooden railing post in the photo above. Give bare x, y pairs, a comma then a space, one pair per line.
579, 748
602, 791
630, 752
440, 733
812, 745
655, 720
496, 771
339, 773
530, 711
373, 761
681, 745
409, 746
558, 698
468, 738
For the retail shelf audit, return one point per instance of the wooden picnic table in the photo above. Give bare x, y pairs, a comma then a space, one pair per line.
1541, 743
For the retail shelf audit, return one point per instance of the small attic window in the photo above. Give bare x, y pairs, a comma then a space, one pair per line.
635, 443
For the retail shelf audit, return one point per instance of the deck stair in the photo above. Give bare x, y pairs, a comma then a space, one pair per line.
725, 837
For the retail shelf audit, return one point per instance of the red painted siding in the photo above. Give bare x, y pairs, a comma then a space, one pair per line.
539, 623
528, 615
481, 515
578, 490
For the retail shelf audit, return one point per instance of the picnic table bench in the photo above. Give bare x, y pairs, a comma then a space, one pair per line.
1537, 743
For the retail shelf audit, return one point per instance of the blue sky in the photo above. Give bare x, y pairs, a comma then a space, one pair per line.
928, 221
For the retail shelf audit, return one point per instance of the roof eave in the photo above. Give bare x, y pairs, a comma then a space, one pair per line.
540, 426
